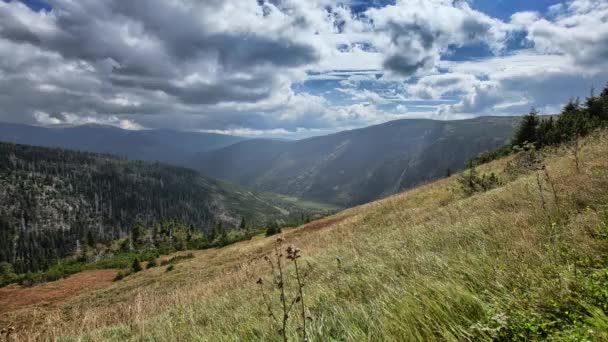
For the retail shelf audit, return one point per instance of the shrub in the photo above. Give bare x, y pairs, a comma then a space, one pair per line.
471, 182
273, 229
136, 266
151, 263
7, 275
120, 275
170, 268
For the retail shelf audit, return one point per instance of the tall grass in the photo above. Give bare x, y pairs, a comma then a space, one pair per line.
520, 261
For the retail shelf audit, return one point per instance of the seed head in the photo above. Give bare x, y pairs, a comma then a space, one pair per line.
293, 253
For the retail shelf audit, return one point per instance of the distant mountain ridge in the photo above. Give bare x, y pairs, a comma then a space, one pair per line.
344, 168
357, 166
163, 145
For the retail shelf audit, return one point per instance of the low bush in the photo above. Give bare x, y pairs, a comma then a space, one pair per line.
471, 182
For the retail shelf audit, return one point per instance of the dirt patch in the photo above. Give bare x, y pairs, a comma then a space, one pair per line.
50, 294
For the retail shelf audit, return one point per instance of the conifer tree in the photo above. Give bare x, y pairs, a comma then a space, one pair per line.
527, 131
90, 239
136, 266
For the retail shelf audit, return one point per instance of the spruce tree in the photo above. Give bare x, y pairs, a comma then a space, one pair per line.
136, 266
272, 229
136, 234
527, 131
90, 239
546, 132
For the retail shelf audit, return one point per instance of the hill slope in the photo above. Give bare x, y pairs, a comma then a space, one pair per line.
354, 167
169, 146
527, 260
51, 198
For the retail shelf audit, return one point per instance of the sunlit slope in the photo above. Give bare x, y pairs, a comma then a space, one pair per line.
524, 260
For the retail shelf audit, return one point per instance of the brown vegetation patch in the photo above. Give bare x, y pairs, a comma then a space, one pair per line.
50, 294
320, 224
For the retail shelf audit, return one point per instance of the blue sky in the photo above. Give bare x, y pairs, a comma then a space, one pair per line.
503, 9
294, 68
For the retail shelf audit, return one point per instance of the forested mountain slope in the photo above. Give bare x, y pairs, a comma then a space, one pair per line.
358, 166
52, 198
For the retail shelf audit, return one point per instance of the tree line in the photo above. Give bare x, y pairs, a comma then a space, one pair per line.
577, 119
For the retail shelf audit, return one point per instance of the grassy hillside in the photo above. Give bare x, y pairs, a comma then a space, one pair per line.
526, 260
358, 166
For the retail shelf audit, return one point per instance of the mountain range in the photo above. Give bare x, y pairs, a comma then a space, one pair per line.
164, 145
345, 168
357, 166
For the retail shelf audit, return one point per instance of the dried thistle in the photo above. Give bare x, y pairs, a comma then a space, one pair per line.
293, 253
280, 284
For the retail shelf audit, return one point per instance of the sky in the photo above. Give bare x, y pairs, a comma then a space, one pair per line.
293, 68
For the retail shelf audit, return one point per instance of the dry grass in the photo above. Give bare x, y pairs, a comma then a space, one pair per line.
14, 297
427, 264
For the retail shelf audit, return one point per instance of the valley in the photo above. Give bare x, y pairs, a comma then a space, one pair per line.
358, 166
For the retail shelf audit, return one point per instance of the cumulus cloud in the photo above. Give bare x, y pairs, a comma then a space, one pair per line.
289, 66
421, 31
579, 31
567, 56
117, 57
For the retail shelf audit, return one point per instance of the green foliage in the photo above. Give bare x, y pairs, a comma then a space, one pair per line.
170, 268
90, 239
573, 307
273, 228
471, 182
136, 234
151, 263
554, 314
526, 133
574, 121
7, 275
170, 237
136, 265
488, 156
176, 259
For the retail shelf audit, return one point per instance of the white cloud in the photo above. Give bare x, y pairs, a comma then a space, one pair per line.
241, 66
